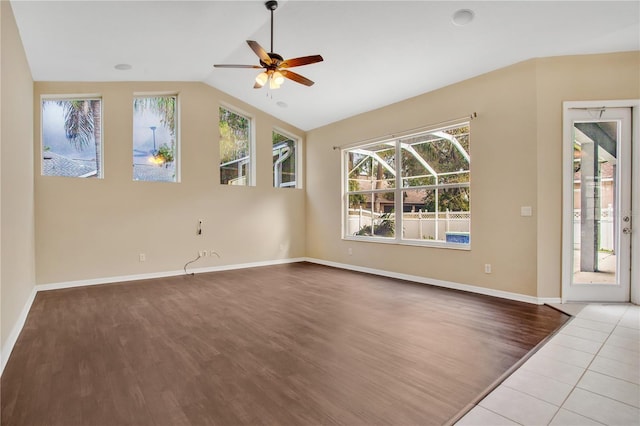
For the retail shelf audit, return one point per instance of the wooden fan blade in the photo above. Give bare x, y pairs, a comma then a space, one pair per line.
237, 66
296, 77
262, 54
303, 60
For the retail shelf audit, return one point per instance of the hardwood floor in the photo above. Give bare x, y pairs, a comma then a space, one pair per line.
296, 344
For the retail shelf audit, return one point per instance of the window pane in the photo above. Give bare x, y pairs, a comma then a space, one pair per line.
284, 161
154, 138
436, 214
441, 156
72, 137
434, 192
371, 214
235, 148
371, 167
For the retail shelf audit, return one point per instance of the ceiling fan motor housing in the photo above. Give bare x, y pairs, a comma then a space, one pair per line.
276, 60
271, 5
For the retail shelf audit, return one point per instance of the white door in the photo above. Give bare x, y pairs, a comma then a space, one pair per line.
597, 220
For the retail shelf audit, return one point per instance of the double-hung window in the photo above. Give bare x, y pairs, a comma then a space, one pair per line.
425, 176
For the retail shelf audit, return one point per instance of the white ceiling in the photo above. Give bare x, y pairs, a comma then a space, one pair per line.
375, 52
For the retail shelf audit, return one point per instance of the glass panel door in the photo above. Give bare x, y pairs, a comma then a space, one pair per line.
600, 205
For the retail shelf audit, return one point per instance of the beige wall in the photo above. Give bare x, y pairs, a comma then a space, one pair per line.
16, 168
571, 78
93, 229
516, 144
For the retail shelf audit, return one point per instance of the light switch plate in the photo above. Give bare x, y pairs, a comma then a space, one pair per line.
526, 211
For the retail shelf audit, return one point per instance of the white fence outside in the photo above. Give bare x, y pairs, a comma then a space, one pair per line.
607, 242
415, 225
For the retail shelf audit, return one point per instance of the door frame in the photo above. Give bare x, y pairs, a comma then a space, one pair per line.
567, 191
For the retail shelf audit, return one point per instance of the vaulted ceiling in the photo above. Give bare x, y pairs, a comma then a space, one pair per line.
375, 52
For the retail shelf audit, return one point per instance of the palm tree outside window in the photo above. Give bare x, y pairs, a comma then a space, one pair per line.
72, 137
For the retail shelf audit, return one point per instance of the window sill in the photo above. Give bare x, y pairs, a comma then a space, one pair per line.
415, 243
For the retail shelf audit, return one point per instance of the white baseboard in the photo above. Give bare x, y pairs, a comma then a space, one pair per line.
15, 331
164, 274
549, 300
247, 265
440, 283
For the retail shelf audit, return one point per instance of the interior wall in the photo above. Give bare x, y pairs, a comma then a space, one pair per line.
503, 153
17, 253
96, 228
572, 78
516, 151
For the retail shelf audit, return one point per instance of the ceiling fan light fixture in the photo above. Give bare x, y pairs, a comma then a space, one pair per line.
262, 78
273, 84
278, 78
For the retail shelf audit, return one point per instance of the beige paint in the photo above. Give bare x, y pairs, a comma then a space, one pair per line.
575, 78
17, 264
516, 144
93, 229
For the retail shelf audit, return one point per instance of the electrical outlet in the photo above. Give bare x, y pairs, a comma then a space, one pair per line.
142, 257
203, 253
487, 268
349, 251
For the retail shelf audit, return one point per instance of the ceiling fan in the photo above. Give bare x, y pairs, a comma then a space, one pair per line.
276, 69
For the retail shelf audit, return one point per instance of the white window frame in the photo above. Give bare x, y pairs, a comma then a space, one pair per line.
298, 157
251, 178
397, 191
72, 97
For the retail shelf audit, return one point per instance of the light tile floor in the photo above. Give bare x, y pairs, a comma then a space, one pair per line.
587, 374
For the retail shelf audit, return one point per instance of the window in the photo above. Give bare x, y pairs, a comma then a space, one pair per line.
72, 137
154, 138
284, 161
236, 161
425, 176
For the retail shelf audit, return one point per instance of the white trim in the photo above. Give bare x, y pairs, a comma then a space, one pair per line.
635, 202
298, 153
407, 242
549, 300
137, 277
247, 265
7, 348
567, 196
252, 170
440, 283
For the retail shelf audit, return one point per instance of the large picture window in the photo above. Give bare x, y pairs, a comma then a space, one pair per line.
235, 148
155, 144
425, 176
72, 137
284, 160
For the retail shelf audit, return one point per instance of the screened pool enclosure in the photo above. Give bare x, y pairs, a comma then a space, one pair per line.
426, 176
